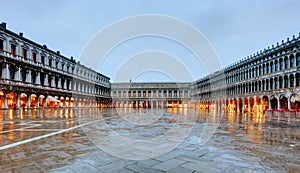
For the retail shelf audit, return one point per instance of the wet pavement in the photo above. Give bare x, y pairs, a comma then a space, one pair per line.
124, 140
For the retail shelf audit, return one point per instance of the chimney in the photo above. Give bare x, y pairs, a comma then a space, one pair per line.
58, 52
21, 34
44, 46
3, 25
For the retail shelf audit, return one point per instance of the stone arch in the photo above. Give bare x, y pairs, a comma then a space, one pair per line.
283, 101
33, 100
12, 100
295, 101
2, 99
274, 102
42, 100
23, 100
265, 103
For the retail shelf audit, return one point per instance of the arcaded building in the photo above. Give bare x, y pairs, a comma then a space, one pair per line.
150, 95
266, 80
34, 76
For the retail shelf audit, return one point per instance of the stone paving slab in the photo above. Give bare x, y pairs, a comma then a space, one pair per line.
235, 147
169, 164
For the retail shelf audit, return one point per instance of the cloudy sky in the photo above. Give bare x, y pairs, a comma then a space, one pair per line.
234, 28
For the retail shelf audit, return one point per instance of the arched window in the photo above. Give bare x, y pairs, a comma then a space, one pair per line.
268, 68
272, 67
280, 82
286, 63
271, 84
280, 64
267, 84
260, 71
297, 79
292, 80
276, 66
292, 61
286, 82
276, 83
298, 59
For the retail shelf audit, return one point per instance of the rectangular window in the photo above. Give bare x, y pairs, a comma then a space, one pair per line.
34, 56
43, 59
1, 45
50, 62
24, 53
115, 94
13, 49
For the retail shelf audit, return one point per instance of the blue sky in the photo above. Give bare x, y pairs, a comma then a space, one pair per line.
235, 28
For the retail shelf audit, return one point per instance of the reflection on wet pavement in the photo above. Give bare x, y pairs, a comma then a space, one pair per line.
67, 140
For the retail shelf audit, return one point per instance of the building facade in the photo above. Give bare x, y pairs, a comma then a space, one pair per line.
269, 80
149, 95
34, 76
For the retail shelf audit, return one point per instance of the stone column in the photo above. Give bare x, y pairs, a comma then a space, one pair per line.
37, 78
5, 105
28, 100
17, 75
53, 81
249, 105
18, 99
46, 80
5, 72
59, 83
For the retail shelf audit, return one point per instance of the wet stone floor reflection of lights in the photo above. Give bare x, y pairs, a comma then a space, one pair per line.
80, 140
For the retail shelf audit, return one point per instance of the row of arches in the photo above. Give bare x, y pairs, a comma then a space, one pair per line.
28, 100
254, 104
270, 66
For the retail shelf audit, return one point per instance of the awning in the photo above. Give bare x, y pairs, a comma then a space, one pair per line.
52, 99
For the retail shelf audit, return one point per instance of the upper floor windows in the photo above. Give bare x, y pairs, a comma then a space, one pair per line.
280, 64
34, 56
286, 62
43, 59
298, 60
24, 53
1, 45
292, 61
50, 62
13, 48
56, 64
